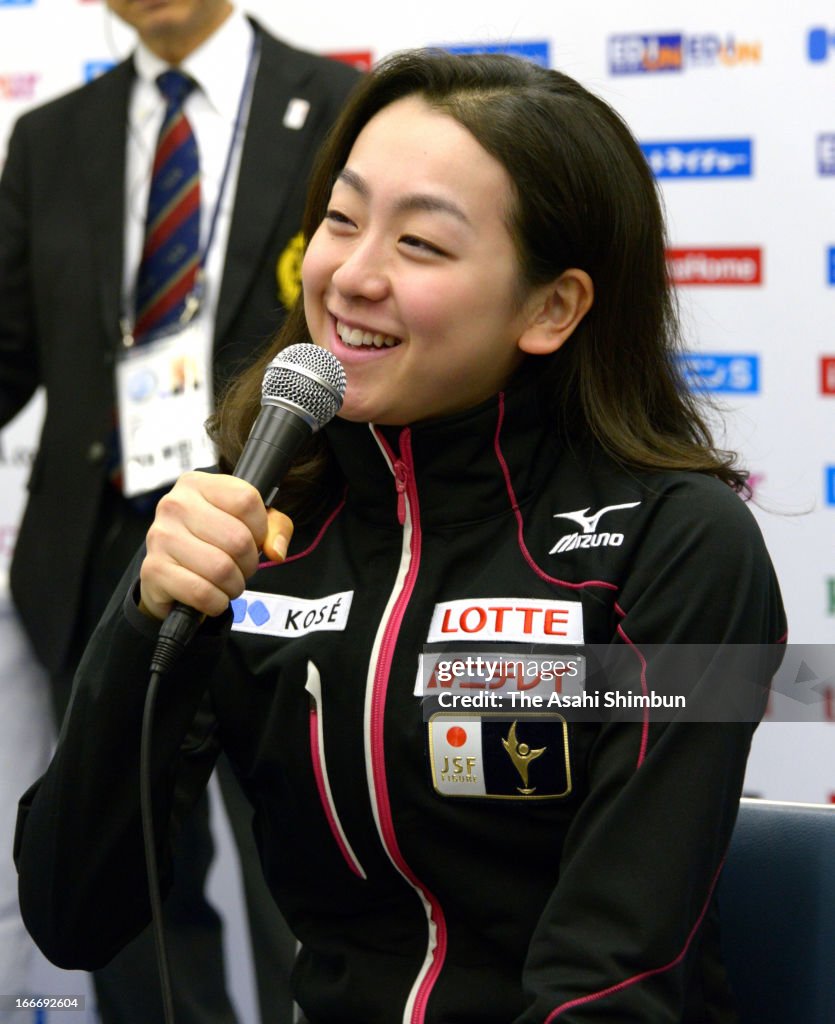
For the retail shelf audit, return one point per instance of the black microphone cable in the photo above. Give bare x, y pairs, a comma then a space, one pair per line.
302, 390
150, 850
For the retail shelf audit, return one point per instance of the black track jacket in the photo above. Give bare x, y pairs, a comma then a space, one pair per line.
553, 871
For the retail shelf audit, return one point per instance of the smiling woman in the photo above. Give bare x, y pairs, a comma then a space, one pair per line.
492, 201
516, 468
412, 278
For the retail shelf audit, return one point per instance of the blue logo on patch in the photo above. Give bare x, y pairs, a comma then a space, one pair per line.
830, 263
536, 52
637, 54
830, 485
700, 158
257, 611
734, 374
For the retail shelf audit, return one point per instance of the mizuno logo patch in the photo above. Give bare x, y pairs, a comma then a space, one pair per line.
589, 538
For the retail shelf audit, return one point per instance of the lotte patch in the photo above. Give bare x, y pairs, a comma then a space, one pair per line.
500, 756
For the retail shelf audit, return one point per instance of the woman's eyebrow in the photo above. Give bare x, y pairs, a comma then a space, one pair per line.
415, 201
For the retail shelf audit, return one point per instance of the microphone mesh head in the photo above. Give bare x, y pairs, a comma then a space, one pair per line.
308, 378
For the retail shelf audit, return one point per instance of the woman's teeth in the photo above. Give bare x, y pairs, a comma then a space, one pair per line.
358, 339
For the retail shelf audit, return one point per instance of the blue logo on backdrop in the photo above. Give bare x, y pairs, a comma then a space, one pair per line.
700, 158
94, 68
826, 153
16, 3
736, 374
536, 52
830, 263
830, 485
636, 54
820, 41
640, 54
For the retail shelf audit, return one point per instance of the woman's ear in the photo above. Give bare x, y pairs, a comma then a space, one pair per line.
557, 308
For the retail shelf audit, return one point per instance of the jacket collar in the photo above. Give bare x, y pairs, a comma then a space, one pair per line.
462, 464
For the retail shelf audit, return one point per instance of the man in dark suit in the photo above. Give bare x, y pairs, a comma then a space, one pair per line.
66, 259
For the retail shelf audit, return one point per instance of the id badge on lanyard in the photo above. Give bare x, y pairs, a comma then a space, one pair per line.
164, 391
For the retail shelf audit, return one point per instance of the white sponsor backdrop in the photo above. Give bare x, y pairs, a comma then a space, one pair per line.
755, 76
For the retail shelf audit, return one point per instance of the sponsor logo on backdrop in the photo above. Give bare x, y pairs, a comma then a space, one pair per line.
722, 373
830, 595
826, 153
95, 68
820, 42
19, 85
715, 266
828, 375
17, 455
700, 158
16, 3
829, 484
8, 536
638, 53
830, 264
536, 51
755, 481
363, 60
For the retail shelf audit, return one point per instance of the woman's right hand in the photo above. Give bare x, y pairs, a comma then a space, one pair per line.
204, 543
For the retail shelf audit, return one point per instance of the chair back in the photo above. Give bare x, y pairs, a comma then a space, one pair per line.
777, 910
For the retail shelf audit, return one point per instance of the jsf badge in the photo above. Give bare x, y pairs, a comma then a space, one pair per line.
500, 756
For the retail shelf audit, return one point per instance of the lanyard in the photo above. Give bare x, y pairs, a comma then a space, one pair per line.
194, 299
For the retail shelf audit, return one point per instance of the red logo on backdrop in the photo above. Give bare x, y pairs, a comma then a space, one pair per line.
362, 60
18, 85
754, 482
8, 536
828, 375
715, 266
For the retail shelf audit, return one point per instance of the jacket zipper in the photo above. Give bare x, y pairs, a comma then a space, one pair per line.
379, 673
320, 770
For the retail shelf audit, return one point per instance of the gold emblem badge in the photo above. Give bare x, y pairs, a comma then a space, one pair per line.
288, 271
521, 755
484, 756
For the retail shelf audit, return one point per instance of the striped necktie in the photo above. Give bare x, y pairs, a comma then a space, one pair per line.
170, 255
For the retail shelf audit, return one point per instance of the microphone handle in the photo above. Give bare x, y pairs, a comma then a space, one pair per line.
274, 440
276, 436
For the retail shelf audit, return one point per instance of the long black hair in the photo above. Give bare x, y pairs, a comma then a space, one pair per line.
584, 197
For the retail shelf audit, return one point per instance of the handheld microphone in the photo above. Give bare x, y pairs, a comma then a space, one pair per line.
302, 390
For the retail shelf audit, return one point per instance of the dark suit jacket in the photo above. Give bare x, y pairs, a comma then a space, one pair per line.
61, 238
